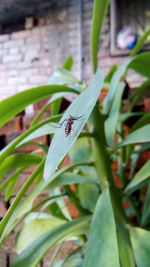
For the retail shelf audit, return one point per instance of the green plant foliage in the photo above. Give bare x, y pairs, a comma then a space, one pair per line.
141, 64
99, 13
140, 243
31, 256
102, 245
102, 181
140, 176
60, 143
8, 107
34, 228
139, 136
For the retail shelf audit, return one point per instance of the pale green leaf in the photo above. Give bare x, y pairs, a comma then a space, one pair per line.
140, 176
35, 252
33, 229
81, 106
12, 105
140, 240
139, 136
102, 248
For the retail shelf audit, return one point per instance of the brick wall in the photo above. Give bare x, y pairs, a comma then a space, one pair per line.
28, 57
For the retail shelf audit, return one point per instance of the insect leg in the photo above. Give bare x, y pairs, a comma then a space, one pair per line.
59, 125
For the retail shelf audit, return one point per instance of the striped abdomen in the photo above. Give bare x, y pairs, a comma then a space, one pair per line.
68, 129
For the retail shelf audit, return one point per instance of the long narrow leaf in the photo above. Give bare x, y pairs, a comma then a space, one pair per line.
102, 249
111, 122
99, 13
139, 136
146, 210
60, 143
140, 240
140, 43
12, 105
31, 256
140, 64
140, 176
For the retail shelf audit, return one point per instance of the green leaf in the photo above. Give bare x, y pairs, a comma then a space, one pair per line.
11, 187
125, 250
112, 120
62, 76
33, 229
8, 220
146, 210
88, 194
140, 64
114, 85
61, 144
144, 120
99, 13
18, 160
15, 143
140, 176
140, 240
102, 247
68, 64
110, 74
41, 131
44, 108
140, 43
70, 178
138, 93
12, 105
35, 252
139, 136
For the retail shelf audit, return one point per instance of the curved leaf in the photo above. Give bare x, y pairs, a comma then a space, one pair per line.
12, 105
102, 243
112, 120
62, 76
140, 176
114, 85
140, 64
81, 106
140, 43
15, 143
33, 229
99, 13
146, 210
139, 136
17, 160
34, 253
140, 240
138, 93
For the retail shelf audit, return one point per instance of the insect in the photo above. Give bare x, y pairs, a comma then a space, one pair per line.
69, 122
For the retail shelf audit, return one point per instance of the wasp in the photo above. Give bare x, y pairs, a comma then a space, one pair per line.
69, 122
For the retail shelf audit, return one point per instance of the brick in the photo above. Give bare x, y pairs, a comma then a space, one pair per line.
29, 23
38, 79
12, 58
4, 37
41, 22
2, 82
14, 43
17, 81
21, 34
14, 50
3, 52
